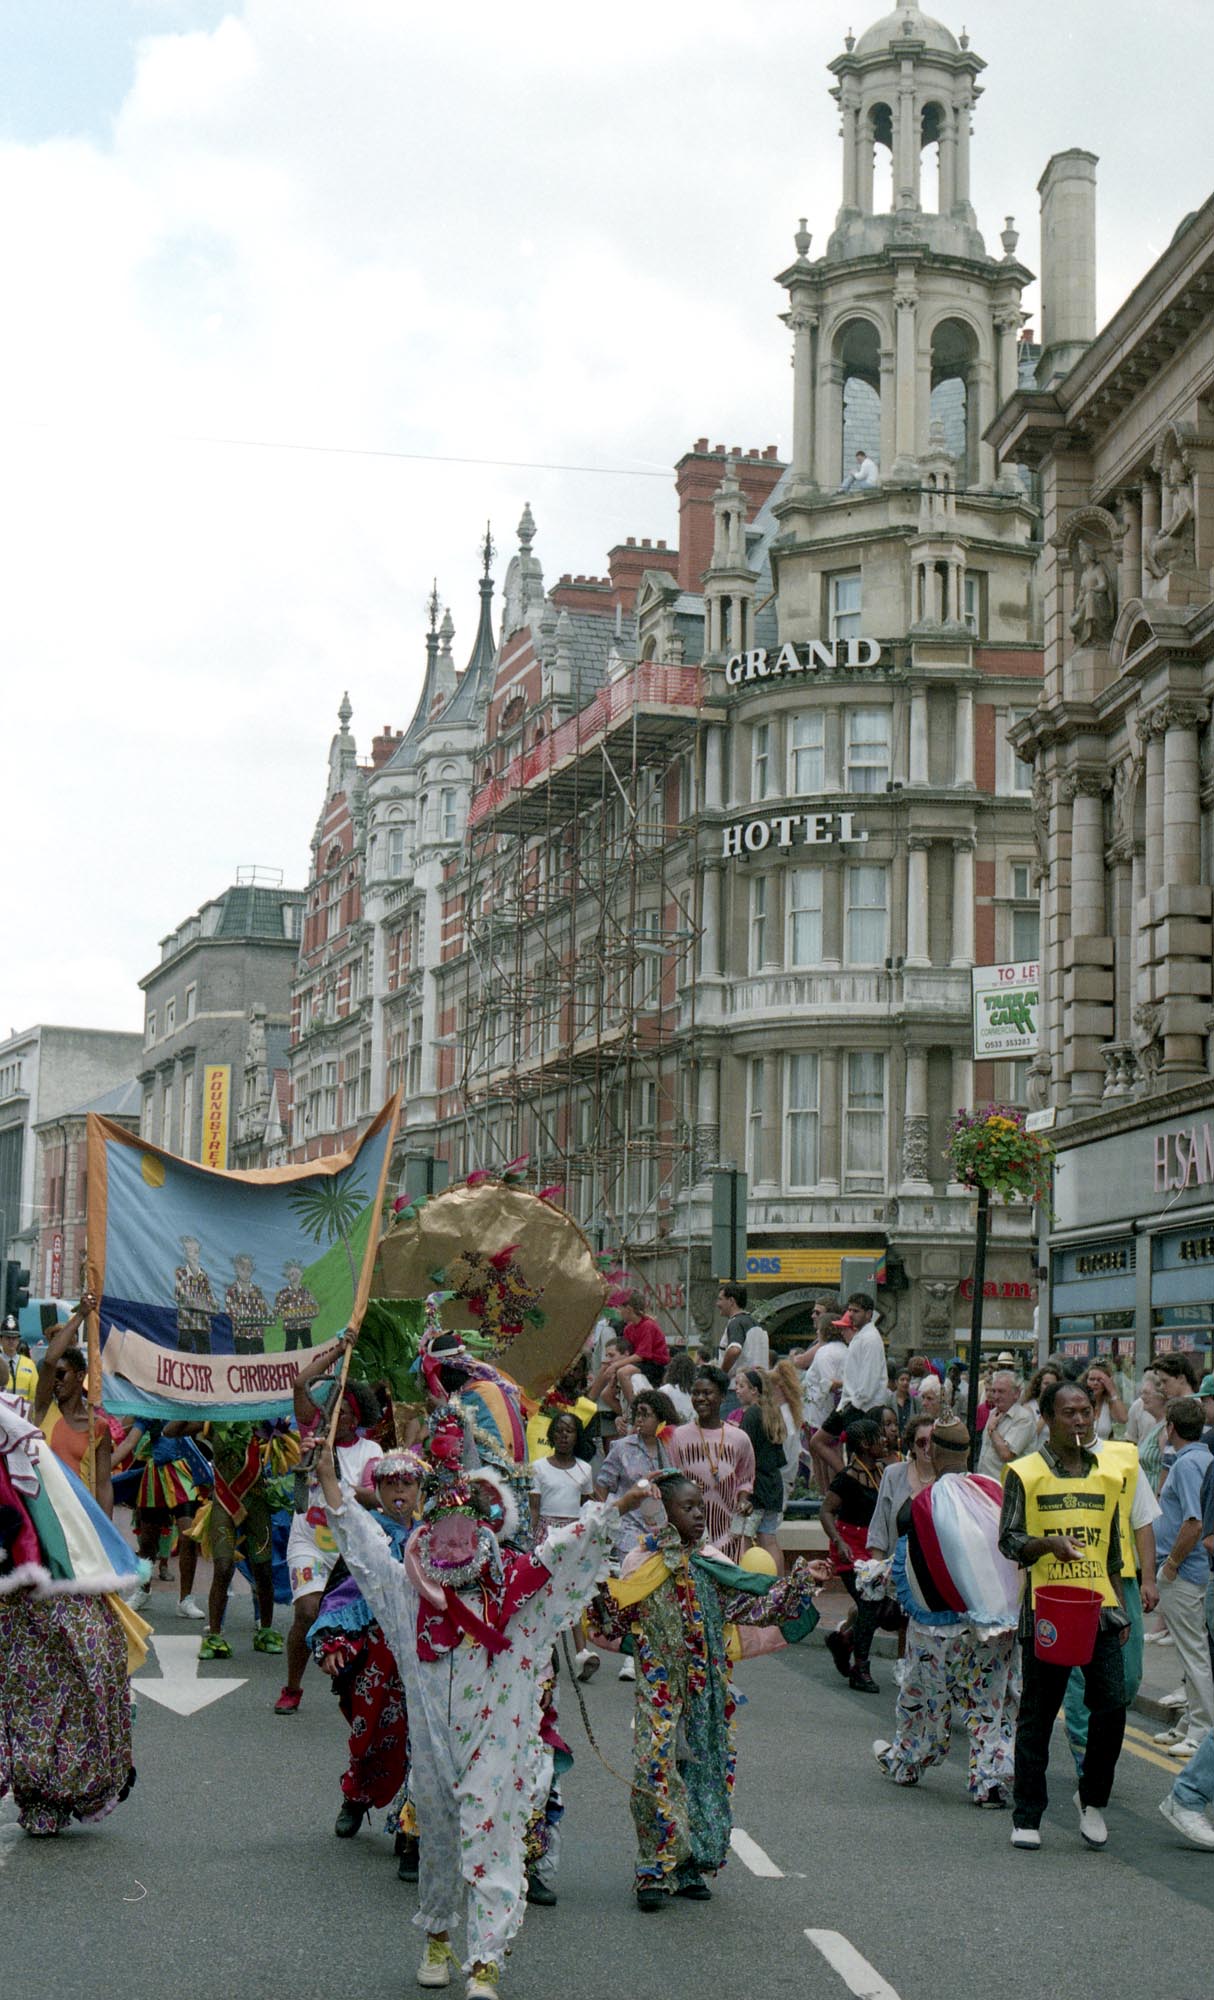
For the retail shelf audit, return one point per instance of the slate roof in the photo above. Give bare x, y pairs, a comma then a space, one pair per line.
248, 912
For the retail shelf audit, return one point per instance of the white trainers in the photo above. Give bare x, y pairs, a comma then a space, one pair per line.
435, 1968
588, 1664
1177, 1699
1176, 1732
186, 1608
628, 1672
881, 1748
1190, 1825
141, 1598
482, 1985
1026, 1836
1092, 1828
1185, 1747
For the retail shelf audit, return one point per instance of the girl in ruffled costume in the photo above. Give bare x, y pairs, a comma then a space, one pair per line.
691, 1611
475, 1750
962, 1599
348, 1644
67, 1641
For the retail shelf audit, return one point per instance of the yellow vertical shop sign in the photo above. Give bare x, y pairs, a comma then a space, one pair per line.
216, 1097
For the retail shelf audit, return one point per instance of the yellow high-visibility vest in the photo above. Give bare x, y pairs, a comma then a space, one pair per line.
1083, 1509
1122, 1458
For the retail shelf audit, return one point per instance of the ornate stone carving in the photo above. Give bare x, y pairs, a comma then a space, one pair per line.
1172, 712
937, 1296
1120, 1069
1041, 820
915, 1133
1125, 802
707, 1149
1173, 547
1038, 1082
1148, 1040
1095, 610
1086, 784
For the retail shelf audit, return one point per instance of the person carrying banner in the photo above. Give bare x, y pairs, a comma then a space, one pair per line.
61, 1406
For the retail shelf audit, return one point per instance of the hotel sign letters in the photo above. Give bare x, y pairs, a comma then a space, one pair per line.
817, 829
817, 656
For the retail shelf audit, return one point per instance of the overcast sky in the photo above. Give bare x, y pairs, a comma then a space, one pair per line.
254, 256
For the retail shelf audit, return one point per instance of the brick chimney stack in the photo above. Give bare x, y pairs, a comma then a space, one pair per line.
698, 474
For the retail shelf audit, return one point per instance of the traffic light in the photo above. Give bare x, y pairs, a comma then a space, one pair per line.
16, 1287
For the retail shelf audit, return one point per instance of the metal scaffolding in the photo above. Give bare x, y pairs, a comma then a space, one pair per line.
580, 941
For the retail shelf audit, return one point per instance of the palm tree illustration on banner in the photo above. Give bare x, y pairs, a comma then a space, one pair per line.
330, 1209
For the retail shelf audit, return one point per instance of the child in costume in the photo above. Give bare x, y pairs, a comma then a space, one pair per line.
475, 1750
690, 1612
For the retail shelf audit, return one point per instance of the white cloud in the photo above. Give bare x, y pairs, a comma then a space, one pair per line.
462, 232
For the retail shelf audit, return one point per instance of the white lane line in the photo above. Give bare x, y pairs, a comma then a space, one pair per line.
749, 1851
857, 1974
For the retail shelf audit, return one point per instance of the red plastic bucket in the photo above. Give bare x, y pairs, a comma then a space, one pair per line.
1066, 1619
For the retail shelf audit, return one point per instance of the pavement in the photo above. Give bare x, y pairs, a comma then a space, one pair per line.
221, 1875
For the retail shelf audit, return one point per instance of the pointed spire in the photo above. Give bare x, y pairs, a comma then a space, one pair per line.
526, 528
345, 712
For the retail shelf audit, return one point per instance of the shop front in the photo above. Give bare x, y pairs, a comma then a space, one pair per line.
1131, 1252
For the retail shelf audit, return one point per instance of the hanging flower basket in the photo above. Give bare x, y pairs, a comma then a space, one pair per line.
990, 1148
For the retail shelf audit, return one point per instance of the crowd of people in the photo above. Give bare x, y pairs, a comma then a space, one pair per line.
645, 1522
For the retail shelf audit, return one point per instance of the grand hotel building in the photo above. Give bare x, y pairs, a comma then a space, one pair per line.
736, 819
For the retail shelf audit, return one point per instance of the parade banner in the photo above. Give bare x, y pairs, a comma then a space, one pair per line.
215, 1287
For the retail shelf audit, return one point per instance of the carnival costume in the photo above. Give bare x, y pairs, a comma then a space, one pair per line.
349, 1644
688, 1615
962, 1601
471, 1618
67, 1641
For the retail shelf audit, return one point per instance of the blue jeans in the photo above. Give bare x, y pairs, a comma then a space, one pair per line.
1074, 1707
1194, 1787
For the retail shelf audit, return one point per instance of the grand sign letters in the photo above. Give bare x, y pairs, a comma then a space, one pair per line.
816, 656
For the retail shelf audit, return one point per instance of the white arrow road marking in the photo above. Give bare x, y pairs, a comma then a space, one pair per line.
180, 1687
752, 1854
857, 1974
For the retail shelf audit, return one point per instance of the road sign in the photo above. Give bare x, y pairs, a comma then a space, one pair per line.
1006, 1002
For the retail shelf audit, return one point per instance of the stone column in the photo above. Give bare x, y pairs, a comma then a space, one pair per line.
710, 934
1140, 933
1085, 789
1150, 521
829, 1133
918, 947
963, 1081
915, 1126
963, 902
708, 1117
962, 197
828, 403
803, 323
1181, 793
948, 164
917, 769
905, 301
851, 152
832, 916
714, 769
963, 739
1007, 327
982, 385
832, 750
1129, 580
1154, 803
864, 164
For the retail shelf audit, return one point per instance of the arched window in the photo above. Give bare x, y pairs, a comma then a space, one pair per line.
858, 354
877, 163
931, 131
954, 403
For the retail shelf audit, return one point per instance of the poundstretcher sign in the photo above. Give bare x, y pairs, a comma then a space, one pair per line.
818, 655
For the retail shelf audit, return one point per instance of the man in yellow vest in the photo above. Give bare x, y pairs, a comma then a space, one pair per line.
1060, 1523
1137, 1514
23, 1376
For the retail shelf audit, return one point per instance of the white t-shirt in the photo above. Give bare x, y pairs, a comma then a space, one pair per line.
865, 1374
1139, 1422
756, 1347
312, 1530
684, 1408
825, 1369
562, 1488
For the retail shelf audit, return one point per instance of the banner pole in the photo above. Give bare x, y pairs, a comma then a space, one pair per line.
94, 1394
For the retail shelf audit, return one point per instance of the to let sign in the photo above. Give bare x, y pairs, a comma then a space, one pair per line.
1006, 1000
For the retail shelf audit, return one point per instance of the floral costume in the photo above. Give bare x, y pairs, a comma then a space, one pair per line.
476, 1759
366, 1684
685, 1610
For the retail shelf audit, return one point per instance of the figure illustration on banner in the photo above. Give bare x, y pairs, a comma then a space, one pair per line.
248, 1308
295, 1306
195, 1301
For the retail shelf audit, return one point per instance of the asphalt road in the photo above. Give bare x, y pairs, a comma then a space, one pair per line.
221, 1876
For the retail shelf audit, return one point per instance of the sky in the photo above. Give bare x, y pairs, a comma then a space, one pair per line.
298, 295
